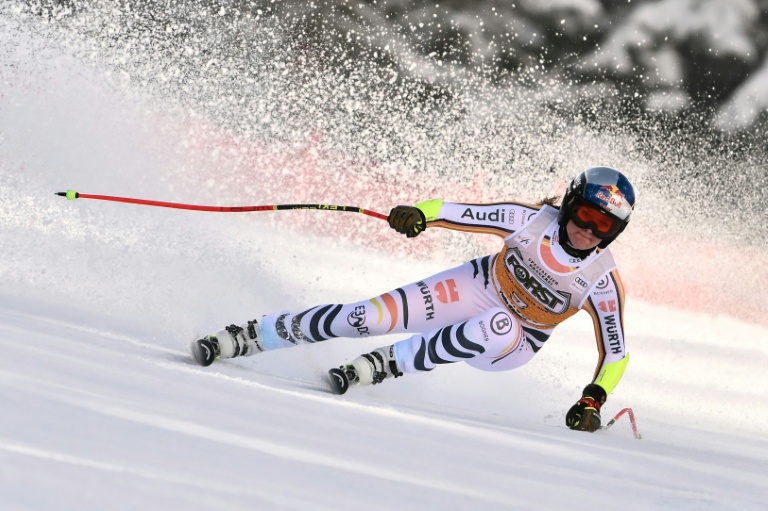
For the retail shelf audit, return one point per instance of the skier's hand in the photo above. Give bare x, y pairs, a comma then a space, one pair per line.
585, 414
407, 220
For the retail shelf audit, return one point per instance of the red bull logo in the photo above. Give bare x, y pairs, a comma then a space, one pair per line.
612, 199
611, 195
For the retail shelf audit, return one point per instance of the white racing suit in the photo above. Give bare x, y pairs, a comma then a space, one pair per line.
494, 312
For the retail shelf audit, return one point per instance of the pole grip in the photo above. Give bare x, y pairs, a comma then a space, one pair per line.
69, 194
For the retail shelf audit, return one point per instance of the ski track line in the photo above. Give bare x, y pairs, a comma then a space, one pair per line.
143, 473
495, 434
270, 447
153, 475
463, 428
96, 332
284, 451
466, 429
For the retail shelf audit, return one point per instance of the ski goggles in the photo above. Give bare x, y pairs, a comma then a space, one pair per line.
589, 216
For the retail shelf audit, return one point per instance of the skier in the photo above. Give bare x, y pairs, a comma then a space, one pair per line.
494, 312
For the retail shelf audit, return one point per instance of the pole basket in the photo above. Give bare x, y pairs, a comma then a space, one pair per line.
629, 413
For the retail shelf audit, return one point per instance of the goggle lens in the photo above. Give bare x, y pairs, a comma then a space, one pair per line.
587, 216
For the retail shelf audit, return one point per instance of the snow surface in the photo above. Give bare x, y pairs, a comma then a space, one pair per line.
102, 408
98, 417
95, 419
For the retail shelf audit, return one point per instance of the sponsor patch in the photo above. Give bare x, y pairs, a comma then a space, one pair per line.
554, 301
501, 323
356, 320
446, 291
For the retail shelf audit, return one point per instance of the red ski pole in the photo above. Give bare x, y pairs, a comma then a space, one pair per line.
631, 416
72, 195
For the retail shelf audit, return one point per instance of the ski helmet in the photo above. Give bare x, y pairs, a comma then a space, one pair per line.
600, 199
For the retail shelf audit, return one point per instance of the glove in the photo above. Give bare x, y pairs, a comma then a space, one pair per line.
585, 414
407, 220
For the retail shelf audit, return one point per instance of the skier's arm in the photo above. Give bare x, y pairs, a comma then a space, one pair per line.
606, 306
501, 219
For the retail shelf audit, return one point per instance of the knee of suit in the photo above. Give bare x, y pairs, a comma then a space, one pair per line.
495, 329
482, 341
502, 336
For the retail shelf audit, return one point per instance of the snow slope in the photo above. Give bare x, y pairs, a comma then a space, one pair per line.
101, 407
99, 418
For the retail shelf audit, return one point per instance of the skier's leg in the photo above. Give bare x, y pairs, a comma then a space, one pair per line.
493, 340
442, 299
445, 298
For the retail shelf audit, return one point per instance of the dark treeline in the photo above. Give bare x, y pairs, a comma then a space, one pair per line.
668, 58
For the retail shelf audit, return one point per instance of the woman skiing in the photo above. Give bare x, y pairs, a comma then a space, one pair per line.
494, 312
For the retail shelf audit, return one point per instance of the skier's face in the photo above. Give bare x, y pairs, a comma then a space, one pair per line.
581, 239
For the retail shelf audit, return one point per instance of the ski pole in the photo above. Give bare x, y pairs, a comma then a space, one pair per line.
72, 195
631, 416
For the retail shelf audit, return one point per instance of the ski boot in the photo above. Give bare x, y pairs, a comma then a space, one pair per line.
367, 369
233, 341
